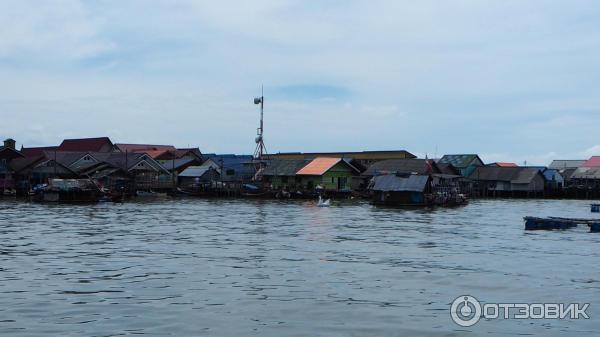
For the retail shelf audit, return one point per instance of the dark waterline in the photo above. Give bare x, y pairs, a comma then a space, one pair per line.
196, 267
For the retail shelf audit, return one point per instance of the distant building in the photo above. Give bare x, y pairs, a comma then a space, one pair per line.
566, 168
566, 164
200, 177
402, 166
503, 164
363, 158
464, 163
99, 144
505, 181
447, 168
160, 152
8, 153
143, 171
587, 175
232, 168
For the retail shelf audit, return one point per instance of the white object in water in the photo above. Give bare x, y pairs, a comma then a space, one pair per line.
323, 203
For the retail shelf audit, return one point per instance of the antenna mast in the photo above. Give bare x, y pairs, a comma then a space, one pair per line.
261, 149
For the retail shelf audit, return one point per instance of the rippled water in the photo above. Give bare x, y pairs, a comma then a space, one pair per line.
195, 267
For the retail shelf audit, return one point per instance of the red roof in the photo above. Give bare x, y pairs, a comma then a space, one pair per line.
37, 151
156, 154
100, 144
594, 161
144, 147
500, 164
319, 166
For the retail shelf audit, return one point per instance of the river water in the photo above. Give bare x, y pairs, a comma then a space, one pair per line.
195, 267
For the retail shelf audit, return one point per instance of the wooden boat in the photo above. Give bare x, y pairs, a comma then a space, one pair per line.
551, 223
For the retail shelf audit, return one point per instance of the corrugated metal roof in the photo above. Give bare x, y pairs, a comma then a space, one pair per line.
594, 161
65, 158
586, 173
86, 144
515, 175
195, 171
447, 168
235, 167
393, 183
144, 147
504, 164
566, 164
37, 151
402, 166
22, 163
319, 166
284, 167
525, 175
177, 163
459, 160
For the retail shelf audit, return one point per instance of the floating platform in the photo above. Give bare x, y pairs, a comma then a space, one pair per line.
552, 223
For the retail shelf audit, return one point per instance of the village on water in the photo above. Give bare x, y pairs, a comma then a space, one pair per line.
98, 169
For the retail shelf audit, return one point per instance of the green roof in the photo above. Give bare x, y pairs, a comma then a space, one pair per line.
459, 160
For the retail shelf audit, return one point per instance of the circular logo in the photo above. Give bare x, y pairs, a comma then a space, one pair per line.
465, 310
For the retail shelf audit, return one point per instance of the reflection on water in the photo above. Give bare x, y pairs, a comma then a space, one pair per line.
266, 268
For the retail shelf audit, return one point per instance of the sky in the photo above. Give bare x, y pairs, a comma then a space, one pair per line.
510, 80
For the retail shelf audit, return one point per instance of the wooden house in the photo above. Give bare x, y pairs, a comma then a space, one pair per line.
400, 190
199, 178
464, 163
234, 169
587, 176
8, 153
280, 174
329, 174
31, 171
508, 181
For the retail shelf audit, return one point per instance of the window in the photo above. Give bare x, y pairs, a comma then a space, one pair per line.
332, 180
230, 172
284, 179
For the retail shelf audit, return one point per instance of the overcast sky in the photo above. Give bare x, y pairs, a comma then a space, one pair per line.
510, 80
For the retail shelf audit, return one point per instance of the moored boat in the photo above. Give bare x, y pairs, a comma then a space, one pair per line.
558, 223
68, 190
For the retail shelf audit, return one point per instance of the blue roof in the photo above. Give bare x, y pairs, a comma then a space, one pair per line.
240, 164
552, 174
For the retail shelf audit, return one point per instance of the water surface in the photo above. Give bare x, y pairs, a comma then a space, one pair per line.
194, 267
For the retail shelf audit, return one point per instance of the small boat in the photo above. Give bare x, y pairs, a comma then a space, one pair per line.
551, 223
9, 192
323, 203
253, 191
149, 194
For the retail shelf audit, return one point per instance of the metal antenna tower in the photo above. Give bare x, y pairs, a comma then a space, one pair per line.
261, 149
